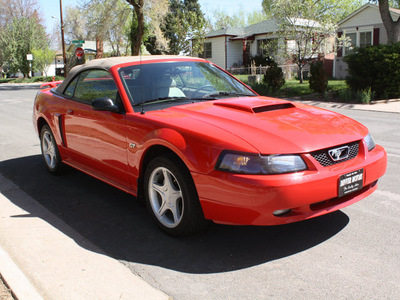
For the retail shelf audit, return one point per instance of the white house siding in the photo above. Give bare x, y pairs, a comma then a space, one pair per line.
367, 17
234, 53
218, 50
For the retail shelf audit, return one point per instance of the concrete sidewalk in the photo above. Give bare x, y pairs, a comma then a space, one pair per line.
40, 261
392, 106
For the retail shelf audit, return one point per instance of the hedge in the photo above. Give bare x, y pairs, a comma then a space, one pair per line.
376, 68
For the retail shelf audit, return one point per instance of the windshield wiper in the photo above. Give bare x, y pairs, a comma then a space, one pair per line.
227, 94
160, 100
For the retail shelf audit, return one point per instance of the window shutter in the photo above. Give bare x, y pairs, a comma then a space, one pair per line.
376, 36
340, 51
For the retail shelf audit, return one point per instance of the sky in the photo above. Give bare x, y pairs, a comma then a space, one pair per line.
52, 8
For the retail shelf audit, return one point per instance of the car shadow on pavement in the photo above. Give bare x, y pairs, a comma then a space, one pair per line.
117, 224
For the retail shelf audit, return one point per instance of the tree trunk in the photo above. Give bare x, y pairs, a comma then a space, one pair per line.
99, 47
392, 27
301, 76
137, 40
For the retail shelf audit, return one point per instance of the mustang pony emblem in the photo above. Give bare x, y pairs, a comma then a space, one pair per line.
339, 153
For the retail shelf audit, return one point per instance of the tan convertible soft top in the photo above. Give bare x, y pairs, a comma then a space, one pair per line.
107, 63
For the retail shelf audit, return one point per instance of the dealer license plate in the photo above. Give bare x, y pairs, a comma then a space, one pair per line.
351, 182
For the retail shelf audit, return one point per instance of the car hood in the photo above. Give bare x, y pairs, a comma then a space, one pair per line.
275, 126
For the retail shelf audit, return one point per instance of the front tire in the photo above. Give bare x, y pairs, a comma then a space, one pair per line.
171, 196
50, 153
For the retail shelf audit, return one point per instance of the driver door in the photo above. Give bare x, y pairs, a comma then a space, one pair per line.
96, 140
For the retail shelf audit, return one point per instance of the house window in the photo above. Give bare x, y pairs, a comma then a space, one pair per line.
360, 39
207, 52
352, 42
365, 39
267, 47
260, 47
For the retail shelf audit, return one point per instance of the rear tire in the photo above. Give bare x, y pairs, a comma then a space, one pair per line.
50, 153
171, 196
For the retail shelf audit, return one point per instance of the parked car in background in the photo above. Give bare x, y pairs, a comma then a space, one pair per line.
198, 145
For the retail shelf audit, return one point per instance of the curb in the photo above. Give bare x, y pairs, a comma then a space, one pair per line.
20, 285
41, 257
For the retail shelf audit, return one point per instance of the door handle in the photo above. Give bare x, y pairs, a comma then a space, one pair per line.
70, 112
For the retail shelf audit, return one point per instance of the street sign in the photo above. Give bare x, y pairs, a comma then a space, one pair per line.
78, 42
29, 57
79, 52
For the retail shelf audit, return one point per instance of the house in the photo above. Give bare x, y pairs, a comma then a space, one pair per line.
56, 66
233, 46
364, 27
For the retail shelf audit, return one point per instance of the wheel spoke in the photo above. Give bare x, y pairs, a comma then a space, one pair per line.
158, 188
176, 212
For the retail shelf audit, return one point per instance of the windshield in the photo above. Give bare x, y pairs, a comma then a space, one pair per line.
179, 81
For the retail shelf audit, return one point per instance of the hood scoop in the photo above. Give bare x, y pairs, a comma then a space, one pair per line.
244, 106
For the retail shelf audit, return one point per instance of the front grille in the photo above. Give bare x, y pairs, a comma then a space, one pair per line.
325, 160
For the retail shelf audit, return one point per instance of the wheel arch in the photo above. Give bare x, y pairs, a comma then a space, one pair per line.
151, 153
40, 123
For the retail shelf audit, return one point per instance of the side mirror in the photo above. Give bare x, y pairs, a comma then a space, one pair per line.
104, 104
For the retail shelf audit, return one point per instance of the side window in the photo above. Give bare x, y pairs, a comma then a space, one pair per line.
93, 84
69, 91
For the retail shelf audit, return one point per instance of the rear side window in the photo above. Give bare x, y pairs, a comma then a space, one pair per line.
69, 91
92, 84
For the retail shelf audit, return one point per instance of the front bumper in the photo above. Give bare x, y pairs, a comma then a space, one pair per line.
252, 199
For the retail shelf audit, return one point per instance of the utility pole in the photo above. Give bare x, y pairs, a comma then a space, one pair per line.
62, 40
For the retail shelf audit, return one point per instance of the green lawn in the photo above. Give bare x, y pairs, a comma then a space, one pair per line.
30, 80
293, 88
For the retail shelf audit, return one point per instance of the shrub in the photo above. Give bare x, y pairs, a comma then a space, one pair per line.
376, 68
261, 89
262, 60
348, 95
318, 80
365, 96
274, 77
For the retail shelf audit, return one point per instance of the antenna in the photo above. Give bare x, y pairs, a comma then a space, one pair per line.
141, 79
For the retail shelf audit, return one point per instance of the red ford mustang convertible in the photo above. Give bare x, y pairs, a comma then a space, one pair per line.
197, 144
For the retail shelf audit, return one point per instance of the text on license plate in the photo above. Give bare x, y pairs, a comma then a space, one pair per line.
351, 182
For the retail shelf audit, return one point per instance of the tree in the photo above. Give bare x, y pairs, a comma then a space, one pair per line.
106, 20
20, 38
335, 10
184, 23
21, 31
305, 37
241, 18
42, 58
392, 26
75, 24
100, 20
175, 27
148, 14
137, 38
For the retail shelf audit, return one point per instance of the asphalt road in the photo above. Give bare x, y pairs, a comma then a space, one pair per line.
349, 254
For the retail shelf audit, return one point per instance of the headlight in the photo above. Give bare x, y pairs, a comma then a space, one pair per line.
262, 165
370, 142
